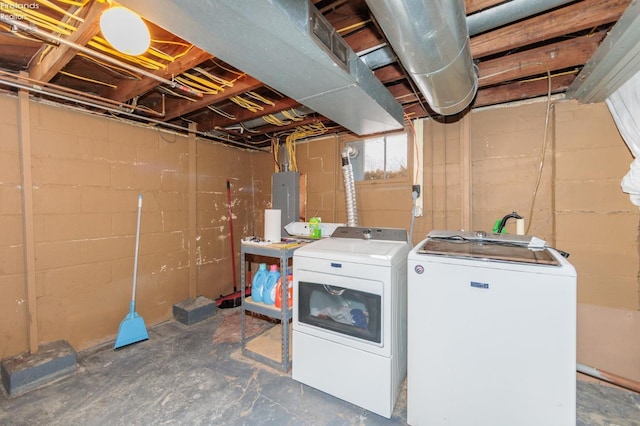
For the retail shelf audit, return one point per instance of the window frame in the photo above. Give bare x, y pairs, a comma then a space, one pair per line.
385, 181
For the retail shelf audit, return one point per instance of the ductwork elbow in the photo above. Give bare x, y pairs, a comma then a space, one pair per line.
431, 40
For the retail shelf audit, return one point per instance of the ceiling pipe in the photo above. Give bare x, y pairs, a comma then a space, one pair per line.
431, 40
508, 12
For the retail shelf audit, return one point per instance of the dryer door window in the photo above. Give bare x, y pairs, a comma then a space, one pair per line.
349, 312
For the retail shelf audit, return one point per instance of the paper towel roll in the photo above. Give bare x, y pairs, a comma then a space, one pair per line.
272, 225
519, 226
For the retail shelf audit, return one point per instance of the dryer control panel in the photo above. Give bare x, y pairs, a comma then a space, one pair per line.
363, 233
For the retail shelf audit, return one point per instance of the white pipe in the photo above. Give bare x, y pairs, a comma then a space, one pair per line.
508, 12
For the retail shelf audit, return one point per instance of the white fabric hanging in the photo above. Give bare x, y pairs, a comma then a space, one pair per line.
624, 105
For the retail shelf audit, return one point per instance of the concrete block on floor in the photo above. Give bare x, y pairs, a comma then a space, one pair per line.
26, 372
191, 311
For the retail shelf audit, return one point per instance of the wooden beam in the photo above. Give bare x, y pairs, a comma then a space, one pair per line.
557, 56
521, 90
472, 6
274, 129
179, 107
241, 114
575, 17
364, 39
129, 89
389, 73
29, 245
192, 197
59, 57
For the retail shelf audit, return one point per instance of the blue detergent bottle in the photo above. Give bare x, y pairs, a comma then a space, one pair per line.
257, 283
269, 291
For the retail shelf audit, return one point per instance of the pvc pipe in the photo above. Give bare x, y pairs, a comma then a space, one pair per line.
609, 377
509, 12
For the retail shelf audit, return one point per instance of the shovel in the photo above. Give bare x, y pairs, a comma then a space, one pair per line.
132, 328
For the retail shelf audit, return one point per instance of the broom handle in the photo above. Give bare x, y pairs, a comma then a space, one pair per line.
135, 259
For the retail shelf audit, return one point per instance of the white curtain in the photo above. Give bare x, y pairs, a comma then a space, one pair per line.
624, 105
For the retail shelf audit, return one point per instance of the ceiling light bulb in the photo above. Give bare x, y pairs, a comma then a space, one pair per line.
125, 30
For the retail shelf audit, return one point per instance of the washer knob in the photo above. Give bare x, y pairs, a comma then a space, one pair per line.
366, 234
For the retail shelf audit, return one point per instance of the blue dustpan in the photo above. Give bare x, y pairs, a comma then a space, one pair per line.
132, 328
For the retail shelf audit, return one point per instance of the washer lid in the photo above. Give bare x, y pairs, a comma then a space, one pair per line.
490, 247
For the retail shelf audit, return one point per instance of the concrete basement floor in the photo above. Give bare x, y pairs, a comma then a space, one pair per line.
195, 375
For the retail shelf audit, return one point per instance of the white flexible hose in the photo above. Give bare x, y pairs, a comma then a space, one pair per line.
350, 194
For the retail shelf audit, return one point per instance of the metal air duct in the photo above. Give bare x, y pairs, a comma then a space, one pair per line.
289, 46
431, 40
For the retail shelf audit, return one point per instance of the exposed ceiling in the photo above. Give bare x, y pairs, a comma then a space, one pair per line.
54, 49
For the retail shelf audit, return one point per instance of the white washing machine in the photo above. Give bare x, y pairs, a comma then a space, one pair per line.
349, 316
491, 332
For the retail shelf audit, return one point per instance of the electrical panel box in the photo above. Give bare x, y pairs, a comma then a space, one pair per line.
285, 195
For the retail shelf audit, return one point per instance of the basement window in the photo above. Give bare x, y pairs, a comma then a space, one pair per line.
380, 158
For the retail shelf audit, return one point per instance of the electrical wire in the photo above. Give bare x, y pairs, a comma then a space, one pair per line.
221, 112
546, 130
112, 69
246, 104
262, 99
90, 80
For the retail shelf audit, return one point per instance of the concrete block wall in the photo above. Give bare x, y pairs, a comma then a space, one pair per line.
13, 303
507, 151
249, 175
87, 172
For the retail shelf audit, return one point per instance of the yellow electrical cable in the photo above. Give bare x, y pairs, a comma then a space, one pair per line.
167, 56
204, 82
75, 3
195, 86
275, 149
79, 77
272, 119
44, 25
221, 81
110, 66
354, 26
176, 94
291, 116
57, 8
238, 73
246, 104
221, 112
262, 99
140, 60
22, 12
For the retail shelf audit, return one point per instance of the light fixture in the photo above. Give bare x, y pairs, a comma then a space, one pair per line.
125, 30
